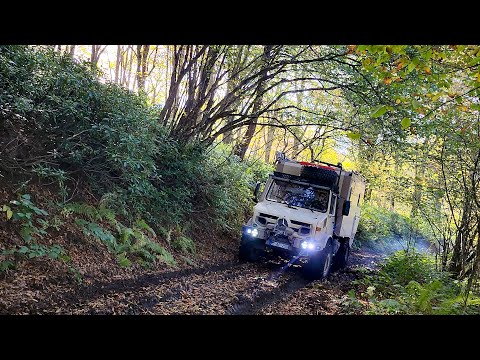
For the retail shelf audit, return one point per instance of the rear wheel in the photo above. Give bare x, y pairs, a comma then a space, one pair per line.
341, 257
318, 266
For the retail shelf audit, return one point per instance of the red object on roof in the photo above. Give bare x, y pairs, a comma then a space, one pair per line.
304, 163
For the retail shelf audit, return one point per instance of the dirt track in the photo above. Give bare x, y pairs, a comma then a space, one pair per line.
228, 288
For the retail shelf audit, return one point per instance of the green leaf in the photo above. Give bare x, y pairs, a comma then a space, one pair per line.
360, 48
5, 265
353, 136
379, 111
406, 122
411, 67
26, 232
23, 250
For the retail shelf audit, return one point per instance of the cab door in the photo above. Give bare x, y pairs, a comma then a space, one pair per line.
331, 215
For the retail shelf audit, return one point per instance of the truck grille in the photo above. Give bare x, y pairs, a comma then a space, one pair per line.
293, 224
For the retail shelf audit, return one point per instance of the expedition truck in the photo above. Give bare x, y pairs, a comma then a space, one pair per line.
308, 212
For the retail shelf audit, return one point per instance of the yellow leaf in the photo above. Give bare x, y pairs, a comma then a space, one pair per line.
428, 70
478, 77
8, 211
398, 101
388, 81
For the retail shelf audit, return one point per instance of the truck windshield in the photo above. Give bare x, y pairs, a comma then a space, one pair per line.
303, 196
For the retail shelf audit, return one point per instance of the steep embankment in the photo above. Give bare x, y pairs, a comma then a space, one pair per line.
92, 281
225, 288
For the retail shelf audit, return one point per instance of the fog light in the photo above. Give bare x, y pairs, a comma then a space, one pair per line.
249, 231
311, 246
304, 245
254, 232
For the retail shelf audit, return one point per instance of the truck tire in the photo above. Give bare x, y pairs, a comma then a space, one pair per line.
248, 253
318, 266
320, 175
341, 257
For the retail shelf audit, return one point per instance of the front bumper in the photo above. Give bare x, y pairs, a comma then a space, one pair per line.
279, 244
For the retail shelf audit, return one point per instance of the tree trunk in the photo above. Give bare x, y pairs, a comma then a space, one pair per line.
456, 263
118, 63
242, 149
94, 57
269, 144
128, 75
232, 83
227, 137
142, 66
297, 139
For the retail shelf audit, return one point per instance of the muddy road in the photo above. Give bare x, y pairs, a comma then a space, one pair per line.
229, 288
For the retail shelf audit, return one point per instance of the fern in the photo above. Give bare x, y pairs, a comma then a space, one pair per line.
134, 240
123, 260
124, 233
91, 212
142, 225
184, 244
95, 230
165, 234
167, 258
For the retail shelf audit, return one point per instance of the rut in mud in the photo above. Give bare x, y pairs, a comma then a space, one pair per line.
228, 288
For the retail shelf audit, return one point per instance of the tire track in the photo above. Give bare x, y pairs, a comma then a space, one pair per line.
265, 297
97, 290
170, 293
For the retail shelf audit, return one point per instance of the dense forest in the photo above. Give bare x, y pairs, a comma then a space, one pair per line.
120, 163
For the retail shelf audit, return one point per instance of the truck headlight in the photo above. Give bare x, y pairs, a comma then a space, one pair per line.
307, 245
254, 232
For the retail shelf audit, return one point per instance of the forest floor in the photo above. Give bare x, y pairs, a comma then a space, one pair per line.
227, 287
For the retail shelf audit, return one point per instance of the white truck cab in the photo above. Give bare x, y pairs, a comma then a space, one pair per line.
307, 210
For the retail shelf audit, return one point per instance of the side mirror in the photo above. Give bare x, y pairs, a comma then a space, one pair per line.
257, 189
346, 208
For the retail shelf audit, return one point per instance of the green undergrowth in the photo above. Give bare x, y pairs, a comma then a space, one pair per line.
109, 140
129, 243
33, 226
136, 242
377, 223
409, 283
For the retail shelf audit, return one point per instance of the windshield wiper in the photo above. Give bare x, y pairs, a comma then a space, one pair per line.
288, 205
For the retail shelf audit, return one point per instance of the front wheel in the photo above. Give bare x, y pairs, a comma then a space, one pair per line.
318, 266
248, 252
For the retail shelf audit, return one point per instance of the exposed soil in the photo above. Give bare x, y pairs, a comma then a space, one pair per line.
226, 288
213, 282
